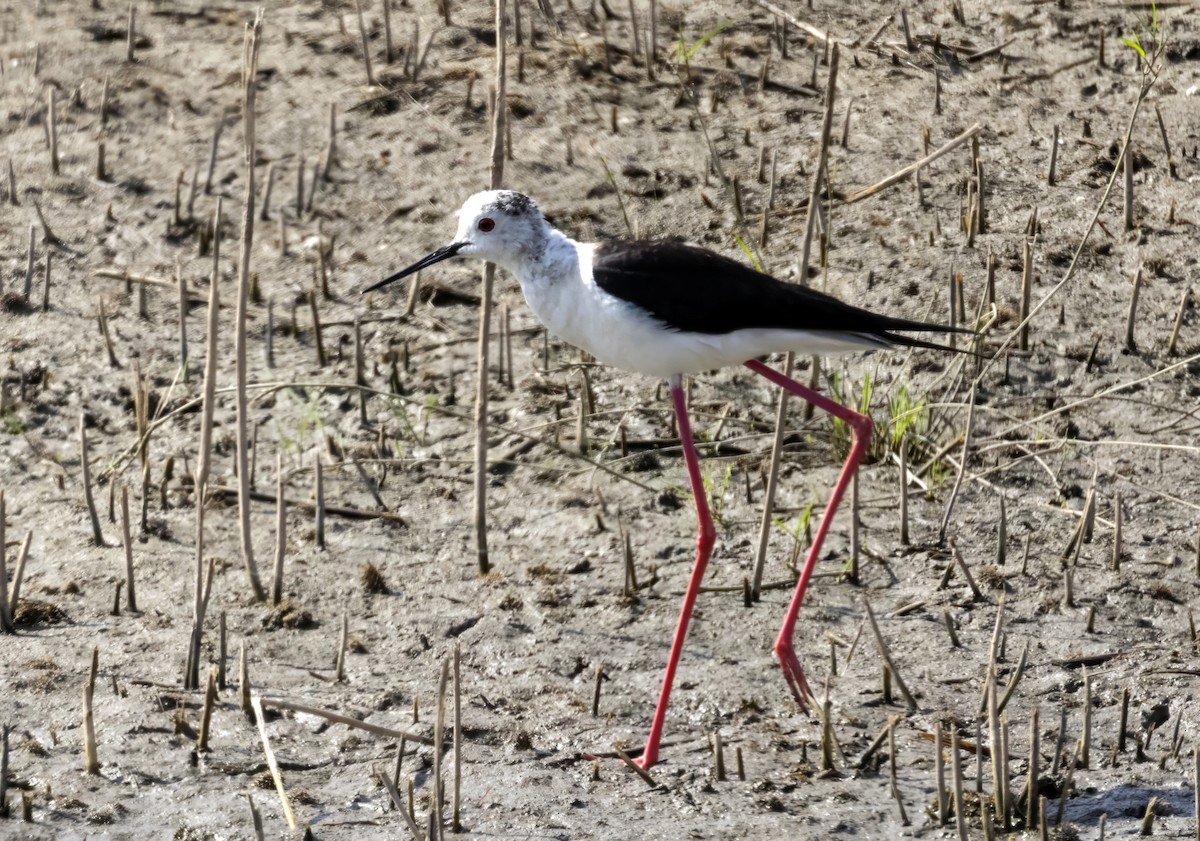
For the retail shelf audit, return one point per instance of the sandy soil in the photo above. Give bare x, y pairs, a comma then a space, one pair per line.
1051, 425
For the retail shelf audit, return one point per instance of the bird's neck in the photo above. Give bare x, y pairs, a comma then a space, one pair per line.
553, 256
552, 283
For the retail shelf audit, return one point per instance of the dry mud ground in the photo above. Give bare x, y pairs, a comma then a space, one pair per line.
1077, 414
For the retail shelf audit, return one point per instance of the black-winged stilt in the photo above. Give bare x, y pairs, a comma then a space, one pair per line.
667, 309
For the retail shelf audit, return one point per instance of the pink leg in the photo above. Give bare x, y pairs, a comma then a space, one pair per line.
704, 544
860, 426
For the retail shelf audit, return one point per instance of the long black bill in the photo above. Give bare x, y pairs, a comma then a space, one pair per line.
443, 253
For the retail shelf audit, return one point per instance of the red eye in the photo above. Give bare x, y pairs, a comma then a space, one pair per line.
487, 225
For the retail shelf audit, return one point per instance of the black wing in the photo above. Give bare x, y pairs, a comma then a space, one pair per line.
695, 290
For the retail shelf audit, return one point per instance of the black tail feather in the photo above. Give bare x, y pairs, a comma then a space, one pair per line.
909, 341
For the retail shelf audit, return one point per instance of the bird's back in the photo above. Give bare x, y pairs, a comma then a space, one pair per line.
663, 308
693, 289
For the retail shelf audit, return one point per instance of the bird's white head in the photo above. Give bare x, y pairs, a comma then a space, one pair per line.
502, 226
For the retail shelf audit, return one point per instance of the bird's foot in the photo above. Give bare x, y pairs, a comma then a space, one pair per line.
641, 761
793, 673
646, 761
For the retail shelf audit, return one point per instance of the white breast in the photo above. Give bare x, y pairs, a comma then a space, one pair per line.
561, 292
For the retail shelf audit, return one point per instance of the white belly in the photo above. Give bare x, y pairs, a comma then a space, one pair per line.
619, 334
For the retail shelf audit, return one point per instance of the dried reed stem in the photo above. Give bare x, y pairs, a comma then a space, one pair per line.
210, 698
339, 672
939, 775
1014, 679
91, 761
268, 344
950, 629
102, 318
439, 734
1196, 788
244, 702
1171, 343
127, 544
6, 622
193, 184
4, 812
204, 456
960, 812
255, 819
1031, 785
499, 115
30, 258
299, 186
319, 499
360, 371
318, 342
212, 152
892, 781
85, 462
366, 46
191, 677
256, 703
456, 807
1085, 737
885, 653
1127, 171
1053, 157
222, 650
999, 783
398, 802
388, 53
249, 80
1026, 293
264, 212
280, 531
962, 469
181, 285
52, 124
14, 596
719, 757
1131, 319
852, 576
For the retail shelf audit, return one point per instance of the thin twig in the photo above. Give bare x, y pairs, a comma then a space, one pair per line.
216, 491
256, 703
398, 802
338, 718
885, 653
903, 173
817, 34
962, 467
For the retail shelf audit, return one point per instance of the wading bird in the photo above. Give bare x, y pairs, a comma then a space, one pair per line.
667, 309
